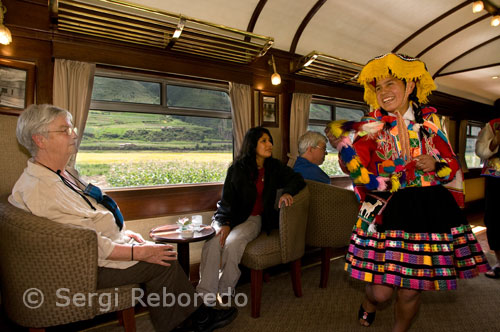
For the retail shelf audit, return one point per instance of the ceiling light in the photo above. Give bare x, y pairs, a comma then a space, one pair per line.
494, 77
495, 21
310, 60
5, 35
477, 6
275, 77
180, 27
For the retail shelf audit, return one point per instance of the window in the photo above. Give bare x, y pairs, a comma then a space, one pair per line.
323, 111
144, 131
471, 159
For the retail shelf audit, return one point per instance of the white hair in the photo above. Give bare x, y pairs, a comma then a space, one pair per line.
34, 120
310, 139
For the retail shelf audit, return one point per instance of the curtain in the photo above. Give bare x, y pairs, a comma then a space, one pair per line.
73, 82
299, 118
241, 111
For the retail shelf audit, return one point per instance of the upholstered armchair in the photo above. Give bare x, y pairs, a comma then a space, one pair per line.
332, 215
285, 245
43, 264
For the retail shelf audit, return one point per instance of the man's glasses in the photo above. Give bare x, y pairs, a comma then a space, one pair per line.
69, 131
321, 148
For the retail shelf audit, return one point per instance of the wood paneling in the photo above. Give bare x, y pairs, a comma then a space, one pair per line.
138, 203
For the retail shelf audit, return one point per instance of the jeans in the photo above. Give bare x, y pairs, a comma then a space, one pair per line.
214, 257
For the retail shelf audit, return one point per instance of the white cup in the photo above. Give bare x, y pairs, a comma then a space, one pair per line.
196, 220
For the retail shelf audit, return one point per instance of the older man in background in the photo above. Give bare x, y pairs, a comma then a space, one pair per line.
312, 151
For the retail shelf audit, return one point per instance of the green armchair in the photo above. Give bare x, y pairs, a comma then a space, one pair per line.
285, 245
43, 264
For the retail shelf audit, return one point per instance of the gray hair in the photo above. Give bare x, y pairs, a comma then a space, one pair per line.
35, 120
310, 139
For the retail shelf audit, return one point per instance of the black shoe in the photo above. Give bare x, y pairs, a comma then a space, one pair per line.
207, 319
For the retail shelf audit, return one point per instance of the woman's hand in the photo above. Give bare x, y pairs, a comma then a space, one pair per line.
155, 253
286, 199
333, 141
223, 232
136, 236
426, 163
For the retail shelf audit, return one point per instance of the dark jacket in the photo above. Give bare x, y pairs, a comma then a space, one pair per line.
239, 193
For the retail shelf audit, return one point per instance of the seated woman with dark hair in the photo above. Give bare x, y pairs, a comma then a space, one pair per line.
47, 189
247, 205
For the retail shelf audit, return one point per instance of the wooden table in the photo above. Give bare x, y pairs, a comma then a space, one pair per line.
170, 234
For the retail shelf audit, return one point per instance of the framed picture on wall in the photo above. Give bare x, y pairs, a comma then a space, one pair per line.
17, 85
269, 109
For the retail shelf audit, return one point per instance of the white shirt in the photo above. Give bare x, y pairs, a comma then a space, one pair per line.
41, 192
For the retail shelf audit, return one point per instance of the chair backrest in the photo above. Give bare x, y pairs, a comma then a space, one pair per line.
293, 223
13, 157
40, 256
332, 215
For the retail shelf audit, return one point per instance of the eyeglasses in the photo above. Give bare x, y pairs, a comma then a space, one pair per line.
69, 131
321, 148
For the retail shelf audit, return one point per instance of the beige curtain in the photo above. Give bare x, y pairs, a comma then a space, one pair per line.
299, 118
241, 111
73, 82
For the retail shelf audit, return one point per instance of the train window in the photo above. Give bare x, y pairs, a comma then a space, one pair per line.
156, 132
320, 113
472, 160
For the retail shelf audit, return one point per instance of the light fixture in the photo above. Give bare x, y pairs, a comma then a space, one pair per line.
5, 35
495, 21
311, 60
494, 77
477, 6
180, 27
275, 77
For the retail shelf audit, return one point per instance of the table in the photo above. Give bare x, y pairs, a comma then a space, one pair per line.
170, 234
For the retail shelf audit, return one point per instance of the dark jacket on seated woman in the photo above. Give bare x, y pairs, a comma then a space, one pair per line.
239, 193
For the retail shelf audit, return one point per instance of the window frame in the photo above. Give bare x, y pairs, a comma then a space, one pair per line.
162, 108
334, 103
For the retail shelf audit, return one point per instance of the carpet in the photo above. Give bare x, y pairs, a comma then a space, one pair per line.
475, 306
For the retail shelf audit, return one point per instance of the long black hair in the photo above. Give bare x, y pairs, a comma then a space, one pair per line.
247, 157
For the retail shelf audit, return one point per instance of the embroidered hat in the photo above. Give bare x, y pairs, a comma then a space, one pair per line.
400, 66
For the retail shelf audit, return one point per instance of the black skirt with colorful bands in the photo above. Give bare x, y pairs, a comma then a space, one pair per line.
424, 243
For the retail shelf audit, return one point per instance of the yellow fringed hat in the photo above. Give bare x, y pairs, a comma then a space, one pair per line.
400, 66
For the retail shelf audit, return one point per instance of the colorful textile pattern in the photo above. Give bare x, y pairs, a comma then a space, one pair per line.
422, 261
387, 157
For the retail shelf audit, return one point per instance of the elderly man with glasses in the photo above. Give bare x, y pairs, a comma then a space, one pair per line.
312, 151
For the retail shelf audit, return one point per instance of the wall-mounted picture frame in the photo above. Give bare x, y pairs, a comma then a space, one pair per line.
269, 109
17, 85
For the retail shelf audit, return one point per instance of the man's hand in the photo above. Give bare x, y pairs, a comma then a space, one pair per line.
223, 232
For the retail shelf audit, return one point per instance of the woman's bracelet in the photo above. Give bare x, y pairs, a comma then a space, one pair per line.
132, 249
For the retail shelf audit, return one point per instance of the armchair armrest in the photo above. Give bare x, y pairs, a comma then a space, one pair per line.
39, 253
292, 227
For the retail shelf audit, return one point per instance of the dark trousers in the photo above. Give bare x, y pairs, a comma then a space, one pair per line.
157, 279
491, 212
